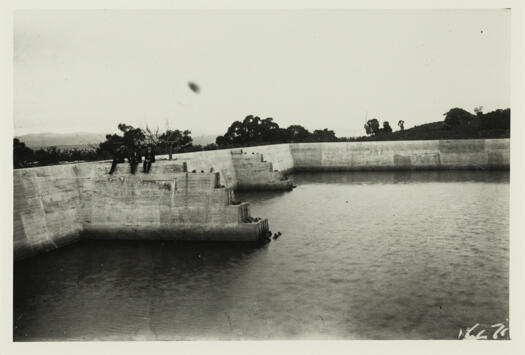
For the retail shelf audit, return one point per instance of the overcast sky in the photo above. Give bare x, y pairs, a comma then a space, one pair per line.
86, 71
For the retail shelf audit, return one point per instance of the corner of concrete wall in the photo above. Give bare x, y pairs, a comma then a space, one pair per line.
54, 205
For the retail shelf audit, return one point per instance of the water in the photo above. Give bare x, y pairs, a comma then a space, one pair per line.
390, 255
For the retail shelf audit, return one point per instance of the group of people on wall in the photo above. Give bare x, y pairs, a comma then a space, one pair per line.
134, 156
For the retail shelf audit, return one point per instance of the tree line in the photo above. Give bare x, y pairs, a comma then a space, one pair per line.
168, 142
256, 131
252, 130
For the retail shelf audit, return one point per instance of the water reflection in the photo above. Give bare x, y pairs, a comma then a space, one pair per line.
390, 255
124, 289
395, 177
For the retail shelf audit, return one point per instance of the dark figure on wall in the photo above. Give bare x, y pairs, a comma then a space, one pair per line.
149, 157
118, 157
134, 159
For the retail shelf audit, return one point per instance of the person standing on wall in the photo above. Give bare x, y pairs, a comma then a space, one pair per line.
118, 157
134, 159
149, 157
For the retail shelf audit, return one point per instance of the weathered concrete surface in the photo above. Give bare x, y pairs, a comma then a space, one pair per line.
242, 170
245, 232
55, 205
218, 160
402, 155
46, 209
254, 173
352, 156
279, 155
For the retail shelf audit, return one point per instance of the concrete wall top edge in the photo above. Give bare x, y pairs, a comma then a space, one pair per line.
72, 169
399, 142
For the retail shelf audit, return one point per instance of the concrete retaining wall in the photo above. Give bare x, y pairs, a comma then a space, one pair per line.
253, 172
402, 155
357, 156
46, 209
219, 160
240, 169
279, 155
57, 205
53, 205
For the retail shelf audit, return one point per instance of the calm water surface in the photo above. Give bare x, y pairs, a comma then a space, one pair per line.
386, 255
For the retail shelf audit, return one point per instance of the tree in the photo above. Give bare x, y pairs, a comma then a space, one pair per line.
297, 133
133, 137
175, 140
386, 127
324, 135
498, 119
22, 155
250, 129
478, 111
110, 145
47, 156
152, 136
235, 135
457, 117
368, 129
253, 130
372, 127
401, 125
221, 141
269, 130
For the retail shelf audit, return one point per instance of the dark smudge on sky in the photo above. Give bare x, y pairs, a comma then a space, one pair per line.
194, 87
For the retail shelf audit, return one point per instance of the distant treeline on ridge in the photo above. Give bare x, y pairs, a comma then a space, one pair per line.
458, 124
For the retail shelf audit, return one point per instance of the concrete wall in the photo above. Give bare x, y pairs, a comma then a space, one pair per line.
253, 172
279, 155
402, 155
57, 205
46, 209
219, 160
239, 173
53, 205
244, 171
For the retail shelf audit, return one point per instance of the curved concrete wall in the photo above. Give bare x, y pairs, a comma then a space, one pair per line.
53, 205
357, 156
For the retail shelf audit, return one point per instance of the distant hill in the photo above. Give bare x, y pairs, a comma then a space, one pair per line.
62, 140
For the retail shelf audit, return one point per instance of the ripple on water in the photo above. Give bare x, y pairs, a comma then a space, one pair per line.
410, 256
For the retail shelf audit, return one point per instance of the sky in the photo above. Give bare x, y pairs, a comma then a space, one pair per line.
89, 70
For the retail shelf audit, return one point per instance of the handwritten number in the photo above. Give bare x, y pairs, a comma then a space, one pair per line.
468, 335
501, 330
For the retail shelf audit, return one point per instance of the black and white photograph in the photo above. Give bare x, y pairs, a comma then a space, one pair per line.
240, 174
